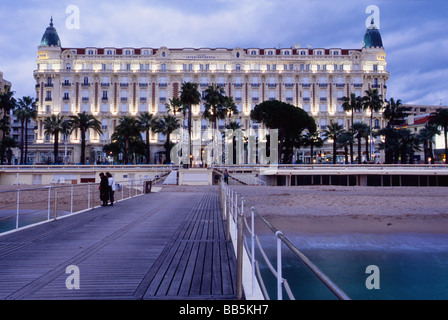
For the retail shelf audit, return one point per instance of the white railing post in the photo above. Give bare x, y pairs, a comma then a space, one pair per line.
279, 267
18, 209
49, 201
88, 197
71, 200
252, 215
239, 255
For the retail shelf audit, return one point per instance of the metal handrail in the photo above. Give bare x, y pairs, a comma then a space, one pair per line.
232, 208
49, 203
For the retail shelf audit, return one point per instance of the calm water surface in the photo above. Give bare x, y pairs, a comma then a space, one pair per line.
411, 266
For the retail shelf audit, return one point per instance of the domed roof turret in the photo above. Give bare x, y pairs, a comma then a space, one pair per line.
372, 37
50, 37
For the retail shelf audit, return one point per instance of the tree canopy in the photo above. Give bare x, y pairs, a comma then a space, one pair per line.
290, 122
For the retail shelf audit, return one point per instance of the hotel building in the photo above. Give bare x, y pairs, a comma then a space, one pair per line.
114, 82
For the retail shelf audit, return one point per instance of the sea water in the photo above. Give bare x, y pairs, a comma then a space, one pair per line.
410, 266
27, 217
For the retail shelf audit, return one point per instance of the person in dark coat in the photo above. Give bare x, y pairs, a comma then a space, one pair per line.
104, 189
112, 188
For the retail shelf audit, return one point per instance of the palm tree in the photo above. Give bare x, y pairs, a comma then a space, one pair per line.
407, 145
373, 102
214, 104
21, 113
7, 103
393, 112
214, 108
352, 104
312, 139
5, 147
85, 122
233, 125
147, 123
360, 130
167, 125
66, 129
345, 140
175, 106
440, 118
190, 96
230, 107
426, 136
25, 111
53, 126
332, 132
128, 129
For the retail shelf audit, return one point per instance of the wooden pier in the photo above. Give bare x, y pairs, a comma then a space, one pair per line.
165, 246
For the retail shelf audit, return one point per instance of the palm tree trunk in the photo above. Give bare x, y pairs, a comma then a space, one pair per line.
83, 147
126, 158
56, 147
21, 141
353, 135
26, 142
167, 149
148, 148
359, 151
445, 129
334, 151
190, 156
367, 149
312, 153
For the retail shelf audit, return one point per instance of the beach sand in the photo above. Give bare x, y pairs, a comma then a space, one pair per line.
336, 209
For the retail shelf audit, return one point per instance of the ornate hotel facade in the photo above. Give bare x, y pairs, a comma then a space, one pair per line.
114, 82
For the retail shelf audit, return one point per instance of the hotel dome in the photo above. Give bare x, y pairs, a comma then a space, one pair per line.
50, 37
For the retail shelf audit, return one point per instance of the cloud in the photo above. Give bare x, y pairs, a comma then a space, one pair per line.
413, 32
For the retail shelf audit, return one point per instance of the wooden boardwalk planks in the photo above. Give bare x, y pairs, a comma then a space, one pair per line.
158, 246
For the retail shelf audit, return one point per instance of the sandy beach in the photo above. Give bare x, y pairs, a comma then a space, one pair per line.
335, 209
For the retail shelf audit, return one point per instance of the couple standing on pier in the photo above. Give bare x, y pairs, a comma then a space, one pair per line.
107, 189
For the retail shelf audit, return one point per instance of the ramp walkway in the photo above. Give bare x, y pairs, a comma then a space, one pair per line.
166, 245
